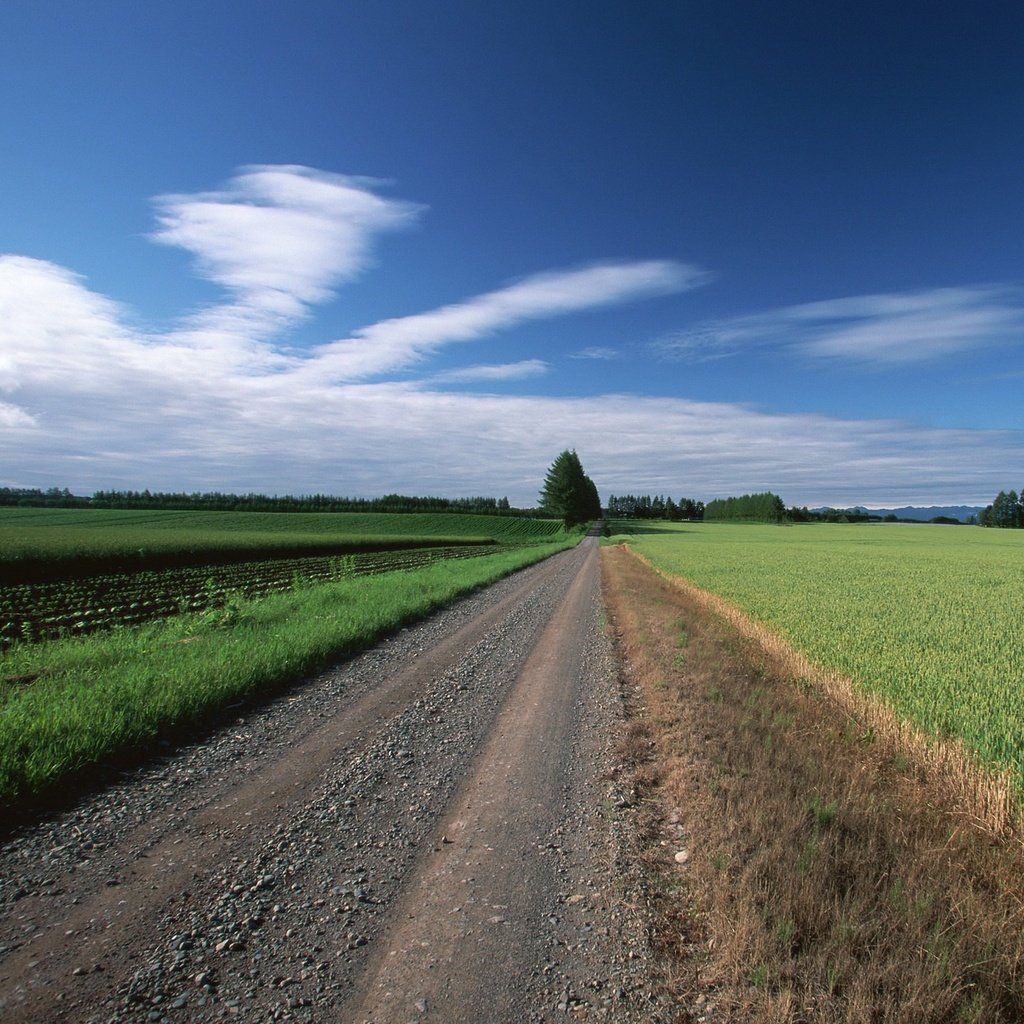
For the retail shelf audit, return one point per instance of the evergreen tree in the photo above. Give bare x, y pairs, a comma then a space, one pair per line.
569, 493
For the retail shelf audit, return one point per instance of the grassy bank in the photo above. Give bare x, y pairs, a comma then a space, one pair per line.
800, 868
67, 705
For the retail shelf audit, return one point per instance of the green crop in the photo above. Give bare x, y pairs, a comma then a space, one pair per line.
34, 612
928, 618
51, 544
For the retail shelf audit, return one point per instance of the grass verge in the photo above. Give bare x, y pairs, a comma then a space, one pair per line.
801, 868
68, 705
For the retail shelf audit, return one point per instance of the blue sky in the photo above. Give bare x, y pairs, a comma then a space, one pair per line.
356, 248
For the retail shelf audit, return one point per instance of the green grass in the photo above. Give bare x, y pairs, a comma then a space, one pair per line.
929, 618
433, 524
54, 543
70, 704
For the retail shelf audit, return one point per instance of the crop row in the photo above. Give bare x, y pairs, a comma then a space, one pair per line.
45, 611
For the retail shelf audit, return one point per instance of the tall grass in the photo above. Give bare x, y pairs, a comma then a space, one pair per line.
69, 704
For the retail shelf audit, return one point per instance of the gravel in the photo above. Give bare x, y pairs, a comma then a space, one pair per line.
166, 898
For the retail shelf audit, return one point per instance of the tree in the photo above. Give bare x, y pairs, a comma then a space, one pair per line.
1006, 511
569, 493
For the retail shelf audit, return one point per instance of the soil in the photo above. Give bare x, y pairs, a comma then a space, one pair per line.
432, 831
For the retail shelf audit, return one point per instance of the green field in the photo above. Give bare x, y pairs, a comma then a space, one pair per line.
53, 543
69, 703
929, 618
74, 572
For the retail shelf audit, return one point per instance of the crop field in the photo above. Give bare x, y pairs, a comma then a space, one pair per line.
928, 618
192, 638
69, 572
35, 612
41, 544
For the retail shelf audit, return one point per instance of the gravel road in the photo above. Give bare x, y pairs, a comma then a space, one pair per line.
428, 832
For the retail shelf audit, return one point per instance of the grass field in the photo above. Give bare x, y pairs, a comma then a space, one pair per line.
928, 618
827, 878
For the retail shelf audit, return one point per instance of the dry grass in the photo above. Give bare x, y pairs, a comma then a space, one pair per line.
827, 876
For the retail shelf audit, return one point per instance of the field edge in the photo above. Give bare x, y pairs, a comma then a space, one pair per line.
796, 869
991, 798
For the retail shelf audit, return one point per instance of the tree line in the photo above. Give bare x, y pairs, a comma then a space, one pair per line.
757, 508
33, 497
1006, 511
644, 506
217, 501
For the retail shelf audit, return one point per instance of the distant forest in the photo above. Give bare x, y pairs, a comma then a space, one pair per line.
756, 508
1006, 511
631, 506
216, 501
762, 508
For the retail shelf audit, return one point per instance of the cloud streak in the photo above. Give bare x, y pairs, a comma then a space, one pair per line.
884, 330
90, 404
391, 344
522, 370
600, 352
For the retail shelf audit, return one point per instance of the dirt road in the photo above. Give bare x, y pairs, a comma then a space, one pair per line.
427, 832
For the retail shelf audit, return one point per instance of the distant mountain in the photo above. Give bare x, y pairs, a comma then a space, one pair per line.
961, 512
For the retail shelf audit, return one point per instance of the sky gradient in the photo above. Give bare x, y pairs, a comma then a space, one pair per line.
715, 247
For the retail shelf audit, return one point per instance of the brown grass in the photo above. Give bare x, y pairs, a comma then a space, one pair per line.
827, 875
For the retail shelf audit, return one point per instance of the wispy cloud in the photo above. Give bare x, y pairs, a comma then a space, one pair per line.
279, 239
596, 352
92, 404
13, 418
874, 330
90, 401
403, 341
522, 370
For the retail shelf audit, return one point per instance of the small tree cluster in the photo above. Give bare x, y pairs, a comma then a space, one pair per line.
568, 493
830, 515
643, 506
1006, 511
752, 508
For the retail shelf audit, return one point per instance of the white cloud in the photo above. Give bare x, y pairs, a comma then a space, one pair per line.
89, 401
374, 438
13, 418
875, 330
522, 370
403, 341
596, 352
278, 239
